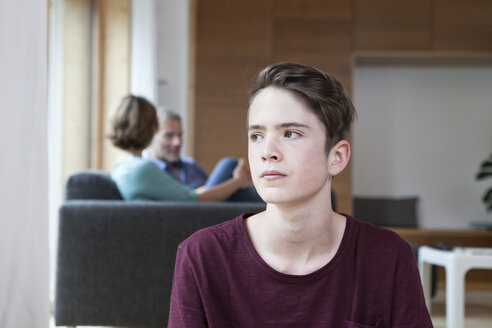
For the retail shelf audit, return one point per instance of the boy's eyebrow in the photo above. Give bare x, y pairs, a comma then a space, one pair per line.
255, 127
279, 126
292, 124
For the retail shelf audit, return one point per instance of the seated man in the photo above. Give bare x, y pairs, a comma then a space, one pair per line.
165, 152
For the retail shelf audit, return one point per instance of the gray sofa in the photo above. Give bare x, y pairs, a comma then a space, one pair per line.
115, 259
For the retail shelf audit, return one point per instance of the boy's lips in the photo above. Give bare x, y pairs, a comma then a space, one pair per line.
272, 175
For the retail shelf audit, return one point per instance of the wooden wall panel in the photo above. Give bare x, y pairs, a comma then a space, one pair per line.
463, 25
114, 66
96, 75
236, 39
392, 25
76, 86
233, 43
318, 33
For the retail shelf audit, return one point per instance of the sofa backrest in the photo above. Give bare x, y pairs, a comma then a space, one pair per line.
91, 184
116, 259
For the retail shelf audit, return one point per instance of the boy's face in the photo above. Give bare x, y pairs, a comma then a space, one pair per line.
286, 148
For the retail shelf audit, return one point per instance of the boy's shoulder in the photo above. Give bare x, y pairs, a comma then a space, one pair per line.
370, 234
220, 233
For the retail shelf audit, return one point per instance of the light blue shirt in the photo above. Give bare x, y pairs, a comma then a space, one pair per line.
138, 179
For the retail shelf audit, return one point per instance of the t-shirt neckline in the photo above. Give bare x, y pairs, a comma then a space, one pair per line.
290, 278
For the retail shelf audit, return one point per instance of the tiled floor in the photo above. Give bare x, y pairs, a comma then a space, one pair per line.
478, 310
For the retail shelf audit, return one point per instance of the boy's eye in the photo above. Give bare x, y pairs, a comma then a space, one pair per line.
255, 137
292, 134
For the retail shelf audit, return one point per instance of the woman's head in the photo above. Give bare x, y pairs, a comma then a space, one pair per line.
322, 93
133, 124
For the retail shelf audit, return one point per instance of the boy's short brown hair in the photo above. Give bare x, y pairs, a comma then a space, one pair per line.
133, 124
323, 94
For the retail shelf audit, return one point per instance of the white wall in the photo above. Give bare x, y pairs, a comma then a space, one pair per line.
423, 130
55, 127
159, 54
172, 57
143, 68
24, 296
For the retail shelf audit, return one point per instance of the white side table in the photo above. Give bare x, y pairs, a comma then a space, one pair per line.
457, 263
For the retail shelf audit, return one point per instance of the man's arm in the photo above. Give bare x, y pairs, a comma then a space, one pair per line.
241, 179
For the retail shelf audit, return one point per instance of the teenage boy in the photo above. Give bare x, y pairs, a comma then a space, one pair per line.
298, 263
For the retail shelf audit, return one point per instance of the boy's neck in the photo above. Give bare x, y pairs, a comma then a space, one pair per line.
297, 239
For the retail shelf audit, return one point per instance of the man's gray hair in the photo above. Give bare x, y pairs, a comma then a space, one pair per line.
163, 114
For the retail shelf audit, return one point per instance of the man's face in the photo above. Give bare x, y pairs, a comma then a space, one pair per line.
166, 144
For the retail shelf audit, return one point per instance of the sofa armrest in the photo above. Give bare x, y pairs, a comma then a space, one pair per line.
116, 259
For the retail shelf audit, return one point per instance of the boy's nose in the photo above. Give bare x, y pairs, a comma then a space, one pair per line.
270, 152
270, 157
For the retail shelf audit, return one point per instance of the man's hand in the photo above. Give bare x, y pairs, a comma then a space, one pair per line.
242, 173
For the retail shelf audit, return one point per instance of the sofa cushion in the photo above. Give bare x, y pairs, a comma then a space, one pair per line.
91, 184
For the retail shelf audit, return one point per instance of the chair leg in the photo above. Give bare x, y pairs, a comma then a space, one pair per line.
455, 294
425, 275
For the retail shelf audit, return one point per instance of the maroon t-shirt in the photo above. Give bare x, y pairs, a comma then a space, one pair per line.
221, 281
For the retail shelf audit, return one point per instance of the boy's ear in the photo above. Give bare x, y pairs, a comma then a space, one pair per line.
338, 157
